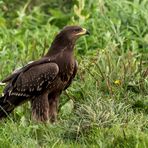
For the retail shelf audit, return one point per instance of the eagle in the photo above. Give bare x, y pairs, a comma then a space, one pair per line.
42, 81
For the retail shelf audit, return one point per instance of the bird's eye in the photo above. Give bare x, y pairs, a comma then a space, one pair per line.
77, 30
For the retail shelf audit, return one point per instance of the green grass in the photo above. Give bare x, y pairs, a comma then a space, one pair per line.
107, 104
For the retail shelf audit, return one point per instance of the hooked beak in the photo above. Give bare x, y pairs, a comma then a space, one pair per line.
83, 32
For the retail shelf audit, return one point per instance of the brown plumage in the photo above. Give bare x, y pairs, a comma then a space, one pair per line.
43, 81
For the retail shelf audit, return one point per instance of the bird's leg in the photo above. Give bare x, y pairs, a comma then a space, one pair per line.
53, 107
40, 108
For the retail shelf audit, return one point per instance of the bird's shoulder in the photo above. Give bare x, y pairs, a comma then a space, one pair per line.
18, 71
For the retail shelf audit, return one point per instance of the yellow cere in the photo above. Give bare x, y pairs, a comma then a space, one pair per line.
82, 32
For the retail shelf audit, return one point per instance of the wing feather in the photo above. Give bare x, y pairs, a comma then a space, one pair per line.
34, 80
25, 68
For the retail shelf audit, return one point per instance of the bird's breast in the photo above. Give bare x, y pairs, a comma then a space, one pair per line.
66, 65
67, 71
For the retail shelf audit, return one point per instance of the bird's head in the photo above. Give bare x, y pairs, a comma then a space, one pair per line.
71, 33
67, 36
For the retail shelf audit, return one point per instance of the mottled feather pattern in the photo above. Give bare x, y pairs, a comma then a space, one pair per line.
35, 79
25, 68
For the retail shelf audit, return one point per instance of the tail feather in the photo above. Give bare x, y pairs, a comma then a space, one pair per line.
7, 105
5, 108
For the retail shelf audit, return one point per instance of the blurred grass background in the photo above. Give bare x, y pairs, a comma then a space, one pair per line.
107, 104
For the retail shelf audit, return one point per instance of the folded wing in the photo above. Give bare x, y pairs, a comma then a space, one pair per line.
33, 81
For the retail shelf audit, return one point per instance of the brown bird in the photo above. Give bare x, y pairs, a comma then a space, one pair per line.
43, 81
